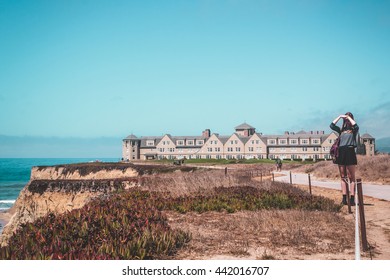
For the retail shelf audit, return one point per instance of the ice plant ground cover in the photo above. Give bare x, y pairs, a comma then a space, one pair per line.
132, 225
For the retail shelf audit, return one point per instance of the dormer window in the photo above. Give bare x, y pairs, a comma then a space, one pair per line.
150, 143
271, 141
282, 141
315, 141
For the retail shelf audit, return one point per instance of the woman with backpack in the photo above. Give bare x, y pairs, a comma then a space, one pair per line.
346, 159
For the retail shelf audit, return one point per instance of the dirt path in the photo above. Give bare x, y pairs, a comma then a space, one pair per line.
287, 234
377, 215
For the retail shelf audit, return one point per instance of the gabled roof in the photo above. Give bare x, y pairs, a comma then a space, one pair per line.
244, 139
244, 126
367, 136
223, 139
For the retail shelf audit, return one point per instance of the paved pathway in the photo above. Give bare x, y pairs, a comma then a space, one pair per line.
373, 190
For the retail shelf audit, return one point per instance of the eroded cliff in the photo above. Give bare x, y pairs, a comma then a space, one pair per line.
57, 189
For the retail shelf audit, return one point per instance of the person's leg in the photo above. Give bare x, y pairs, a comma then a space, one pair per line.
342, 171
342, 176
351, 175
352, 178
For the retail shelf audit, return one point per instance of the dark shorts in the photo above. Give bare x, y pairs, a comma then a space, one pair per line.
347, 156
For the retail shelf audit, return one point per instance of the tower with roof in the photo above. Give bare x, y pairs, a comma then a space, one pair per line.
245, 130
131, 148
367, 143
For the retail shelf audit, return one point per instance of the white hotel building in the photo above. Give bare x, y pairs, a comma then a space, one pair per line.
245, 143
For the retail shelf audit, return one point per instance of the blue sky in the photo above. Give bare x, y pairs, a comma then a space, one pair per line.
111, 68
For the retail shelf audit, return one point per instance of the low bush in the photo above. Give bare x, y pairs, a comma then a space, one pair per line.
246, 198
130, 225
125, 226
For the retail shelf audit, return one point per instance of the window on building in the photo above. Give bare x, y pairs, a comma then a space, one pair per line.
304, 141
293, 141
315, 141
180, 143
250, 149
190, 142
199, 142
150, 143
282, 141
271, 141
238, 149
304, 149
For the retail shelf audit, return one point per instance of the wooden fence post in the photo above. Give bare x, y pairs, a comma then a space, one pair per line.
309, 184
273, 177
290, 178
361, 214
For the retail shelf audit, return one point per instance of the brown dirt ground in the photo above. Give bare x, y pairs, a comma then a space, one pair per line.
285, 235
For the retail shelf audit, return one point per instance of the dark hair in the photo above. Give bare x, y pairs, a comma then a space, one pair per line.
346, 123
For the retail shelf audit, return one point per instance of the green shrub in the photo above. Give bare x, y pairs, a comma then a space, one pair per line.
125, 226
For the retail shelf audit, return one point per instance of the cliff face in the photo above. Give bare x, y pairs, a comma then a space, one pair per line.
59, 189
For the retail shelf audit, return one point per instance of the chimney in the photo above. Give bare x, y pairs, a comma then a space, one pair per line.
286, 133
311, 131
206, 133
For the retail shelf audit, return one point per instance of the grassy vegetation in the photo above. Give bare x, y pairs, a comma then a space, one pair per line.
369, 169
93, 167
130, 225
124, 226
233, 161
246, 198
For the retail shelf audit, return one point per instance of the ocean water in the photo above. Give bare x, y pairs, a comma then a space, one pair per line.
15, 173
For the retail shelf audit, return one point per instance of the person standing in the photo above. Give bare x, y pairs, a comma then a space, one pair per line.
278, 163
346, 159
